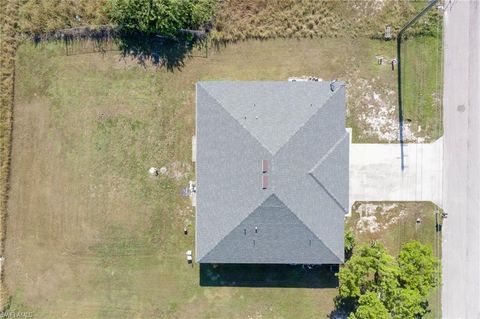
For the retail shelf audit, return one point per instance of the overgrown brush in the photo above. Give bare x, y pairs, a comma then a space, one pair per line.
232, 19
8, 14
39, 17
46, 16
239, 20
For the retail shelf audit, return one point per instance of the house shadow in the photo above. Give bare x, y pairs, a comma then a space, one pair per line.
266, 275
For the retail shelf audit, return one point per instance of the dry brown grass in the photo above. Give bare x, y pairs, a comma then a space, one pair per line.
244, 19
262, 19
38, 17
7, 66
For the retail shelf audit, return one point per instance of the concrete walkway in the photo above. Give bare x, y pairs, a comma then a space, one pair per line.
375, 173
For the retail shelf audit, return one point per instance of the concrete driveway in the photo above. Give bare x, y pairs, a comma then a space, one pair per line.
375, 173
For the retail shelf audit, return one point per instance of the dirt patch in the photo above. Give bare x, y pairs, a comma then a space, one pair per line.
369, 223
376, 107
179, 170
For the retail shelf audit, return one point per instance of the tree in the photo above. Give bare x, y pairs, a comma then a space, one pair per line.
370, 307
419, 269
370, 269
349, 243
165, 17
407, 304
400, 285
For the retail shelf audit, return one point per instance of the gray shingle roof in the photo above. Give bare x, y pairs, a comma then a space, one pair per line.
299, 127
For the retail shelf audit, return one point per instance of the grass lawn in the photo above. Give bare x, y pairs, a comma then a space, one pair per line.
422, 80
90, 233
393, 224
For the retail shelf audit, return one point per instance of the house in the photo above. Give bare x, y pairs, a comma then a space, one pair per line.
272, 163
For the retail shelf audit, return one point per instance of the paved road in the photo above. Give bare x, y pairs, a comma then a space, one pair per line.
461, 193
375, 173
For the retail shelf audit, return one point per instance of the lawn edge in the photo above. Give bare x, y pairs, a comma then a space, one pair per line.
7, 75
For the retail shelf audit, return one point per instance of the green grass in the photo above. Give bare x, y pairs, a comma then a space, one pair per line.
422, 82
85, 216
399, 232
106, 236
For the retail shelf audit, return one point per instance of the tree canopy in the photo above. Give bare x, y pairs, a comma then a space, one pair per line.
371, 269
374, 284
370, 307
165, 17
418, 267
349, 243
407, 303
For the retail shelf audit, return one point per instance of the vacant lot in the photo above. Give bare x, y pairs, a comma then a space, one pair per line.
90, 233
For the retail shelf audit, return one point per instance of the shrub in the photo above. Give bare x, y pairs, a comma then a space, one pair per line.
165, 17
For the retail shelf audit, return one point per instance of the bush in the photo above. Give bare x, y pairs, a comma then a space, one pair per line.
165, 17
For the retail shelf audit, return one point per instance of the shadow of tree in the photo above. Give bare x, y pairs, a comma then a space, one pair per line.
282, 276
168, 52
159, 51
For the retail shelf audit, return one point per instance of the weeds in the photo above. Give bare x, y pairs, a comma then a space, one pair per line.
8, 11
262, 19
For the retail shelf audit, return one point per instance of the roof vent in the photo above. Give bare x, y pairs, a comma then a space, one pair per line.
332, 85
264, 181
264, 166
